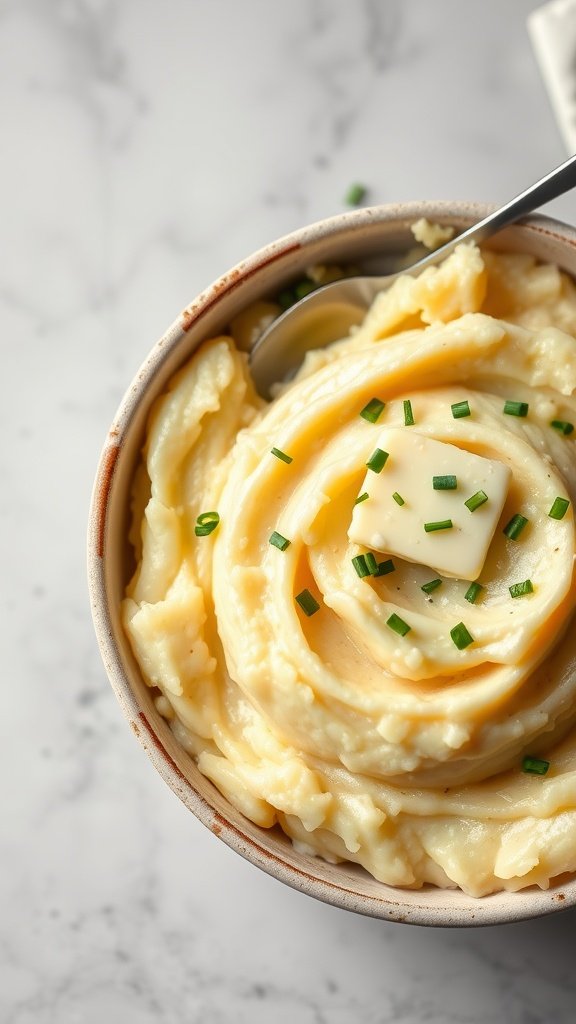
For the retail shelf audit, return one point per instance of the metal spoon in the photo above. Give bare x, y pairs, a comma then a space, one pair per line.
329, 312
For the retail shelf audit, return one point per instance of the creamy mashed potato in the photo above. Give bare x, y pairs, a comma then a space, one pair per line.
431, 235
403, 751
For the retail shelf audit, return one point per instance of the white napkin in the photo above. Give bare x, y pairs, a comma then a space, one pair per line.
552, 30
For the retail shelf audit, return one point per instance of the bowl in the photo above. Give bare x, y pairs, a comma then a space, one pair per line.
365, 237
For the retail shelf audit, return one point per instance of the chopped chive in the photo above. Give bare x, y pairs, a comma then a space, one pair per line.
472, 592
206, 523
515, 408
514, 528
559, 508
377, 460
286, 299
408, 414
278, 541
361, 497
398, 498
371, 563
444, 483
480, 498
398, 624
303, 288
384, 568
520, 589
460, 409
366, 565
373, 410
361, 566
562, 426
355, 194
307, 602
281, 455
432, 585
443, 524
535, 766
461, 637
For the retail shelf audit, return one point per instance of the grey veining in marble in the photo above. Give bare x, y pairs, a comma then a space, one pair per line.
146, 147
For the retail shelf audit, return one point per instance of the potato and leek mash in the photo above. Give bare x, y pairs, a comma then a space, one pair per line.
357, 600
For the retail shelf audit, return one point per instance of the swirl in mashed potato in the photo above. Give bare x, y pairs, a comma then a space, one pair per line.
402, 753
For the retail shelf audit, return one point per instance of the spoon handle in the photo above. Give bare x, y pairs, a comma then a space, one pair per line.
552, 185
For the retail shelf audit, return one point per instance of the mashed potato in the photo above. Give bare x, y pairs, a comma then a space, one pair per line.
282, 668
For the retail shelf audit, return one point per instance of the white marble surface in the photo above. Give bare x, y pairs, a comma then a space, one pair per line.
146, 146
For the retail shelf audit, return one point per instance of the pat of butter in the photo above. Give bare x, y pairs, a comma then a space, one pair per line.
383, 525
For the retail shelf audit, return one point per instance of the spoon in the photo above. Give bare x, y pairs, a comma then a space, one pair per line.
328, 313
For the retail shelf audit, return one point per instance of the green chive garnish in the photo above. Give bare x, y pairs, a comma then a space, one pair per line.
520, 589
428, 588
562, 426
371, 563
480, 498
398, 624
206, 523
355, 194
384, 568
278, 541
559, 508
515, 408
286, 299
307, 602
398, 498
444, 483
377, 460
281, 455
373, 410
361, 497
460, 409
514, 528
367, 565
472, 592
408, 414
535, 766
443, 524
461, 637
359, 563
303, 288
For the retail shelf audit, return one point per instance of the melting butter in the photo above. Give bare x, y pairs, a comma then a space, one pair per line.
413, 460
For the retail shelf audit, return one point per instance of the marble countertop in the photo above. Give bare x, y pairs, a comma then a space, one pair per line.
147, 147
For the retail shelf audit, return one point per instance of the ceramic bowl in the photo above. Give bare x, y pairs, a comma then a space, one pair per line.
365, 237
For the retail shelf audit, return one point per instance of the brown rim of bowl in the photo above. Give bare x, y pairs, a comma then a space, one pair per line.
399, 905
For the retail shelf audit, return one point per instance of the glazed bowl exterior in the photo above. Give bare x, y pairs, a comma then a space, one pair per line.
364, 237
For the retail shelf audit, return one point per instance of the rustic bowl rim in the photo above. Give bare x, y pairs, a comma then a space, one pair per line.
392, 904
